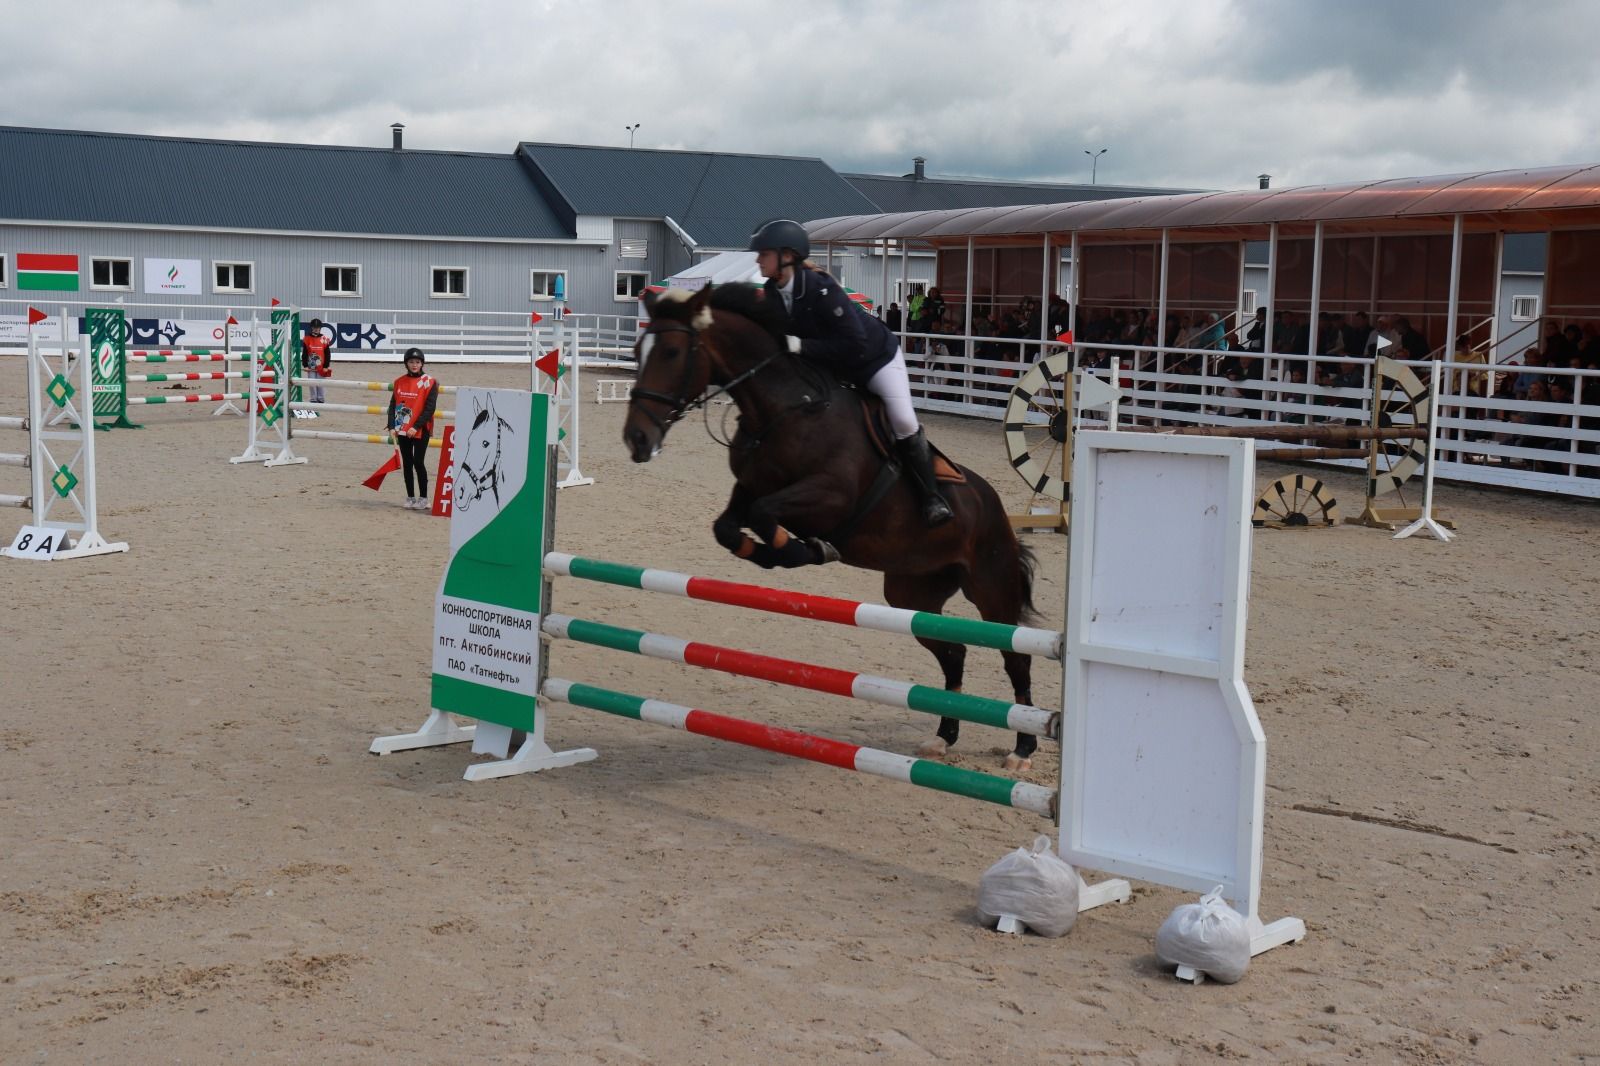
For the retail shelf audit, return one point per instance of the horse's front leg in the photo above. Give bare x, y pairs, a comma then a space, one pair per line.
817, 500
729, 525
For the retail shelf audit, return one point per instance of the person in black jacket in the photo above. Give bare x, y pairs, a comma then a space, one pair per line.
828, 327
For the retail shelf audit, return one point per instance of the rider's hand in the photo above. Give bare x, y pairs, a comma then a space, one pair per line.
794, 344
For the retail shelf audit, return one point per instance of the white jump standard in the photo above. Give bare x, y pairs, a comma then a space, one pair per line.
59, 460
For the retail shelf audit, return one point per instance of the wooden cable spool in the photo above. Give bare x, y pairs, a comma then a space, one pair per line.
1298, 502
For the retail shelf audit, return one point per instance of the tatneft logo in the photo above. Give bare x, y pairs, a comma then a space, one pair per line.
172, 274
174, 279
105, 359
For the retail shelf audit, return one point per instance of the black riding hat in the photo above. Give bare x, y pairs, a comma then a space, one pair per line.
781, 233
414, 353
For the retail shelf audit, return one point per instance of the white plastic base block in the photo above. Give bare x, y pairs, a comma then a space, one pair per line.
87, 544
573, 480
1434, 529
1009, 923
91, 544
439, 729
1282, 931
1190, 974
532, 756
1115, 890
285, 457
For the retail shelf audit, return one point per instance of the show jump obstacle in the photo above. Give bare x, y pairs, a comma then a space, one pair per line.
1163, 758
59, 459
272, 432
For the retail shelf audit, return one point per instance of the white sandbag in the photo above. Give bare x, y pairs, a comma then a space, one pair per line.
1033, 885
1208, 936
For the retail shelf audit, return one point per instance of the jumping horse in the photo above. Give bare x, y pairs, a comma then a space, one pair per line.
811, 485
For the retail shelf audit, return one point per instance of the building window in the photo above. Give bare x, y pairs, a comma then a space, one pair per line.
543, 283
5, 278
630, 283
449, 283
633, 248
1524, 308
1247, 301
341, 279
233, 277
111, 274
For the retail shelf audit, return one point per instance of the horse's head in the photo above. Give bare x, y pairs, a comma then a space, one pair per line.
478, 465
674, 369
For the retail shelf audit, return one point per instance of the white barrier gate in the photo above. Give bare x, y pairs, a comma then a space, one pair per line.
1163, 761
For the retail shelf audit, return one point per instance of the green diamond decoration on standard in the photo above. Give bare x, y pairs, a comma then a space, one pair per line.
59, 390
269, 415
64, 481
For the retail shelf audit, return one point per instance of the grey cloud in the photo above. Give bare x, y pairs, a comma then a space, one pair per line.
1200, 94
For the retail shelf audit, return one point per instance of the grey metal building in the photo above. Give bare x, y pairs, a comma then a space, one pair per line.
359, 230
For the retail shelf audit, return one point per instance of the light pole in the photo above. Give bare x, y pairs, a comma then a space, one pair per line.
631, 130
1094, 162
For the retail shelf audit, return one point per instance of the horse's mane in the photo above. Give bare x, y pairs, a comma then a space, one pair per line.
747, 301
751, 302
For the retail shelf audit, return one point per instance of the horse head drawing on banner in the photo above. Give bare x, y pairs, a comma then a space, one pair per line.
478, 469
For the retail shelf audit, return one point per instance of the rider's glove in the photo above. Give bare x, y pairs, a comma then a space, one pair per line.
794, 344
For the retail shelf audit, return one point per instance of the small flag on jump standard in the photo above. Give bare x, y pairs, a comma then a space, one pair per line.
36, 316
232, 321
550, 363
535, 318
274, 301
1064, 337
376, 480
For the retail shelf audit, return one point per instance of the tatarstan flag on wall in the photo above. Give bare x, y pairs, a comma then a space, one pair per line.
39, 271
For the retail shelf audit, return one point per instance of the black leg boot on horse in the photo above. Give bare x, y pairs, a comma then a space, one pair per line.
918, 459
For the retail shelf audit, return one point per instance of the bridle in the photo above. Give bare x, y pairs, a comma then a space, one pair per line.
679, 403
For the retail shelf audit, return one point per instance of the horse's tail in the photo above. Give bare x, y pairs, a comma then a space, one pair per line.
1027, 565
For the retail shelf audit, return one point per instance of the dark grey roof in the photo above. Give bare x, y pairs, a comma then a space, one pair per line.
62, 175
896, 194
717, 197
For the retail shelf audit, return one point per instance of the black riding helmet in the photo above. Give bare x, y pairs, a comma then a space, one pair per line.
781, 233
414, 353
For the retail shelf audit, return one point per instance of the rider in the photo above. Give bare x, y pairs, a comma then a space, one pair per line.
411, 406
830, 328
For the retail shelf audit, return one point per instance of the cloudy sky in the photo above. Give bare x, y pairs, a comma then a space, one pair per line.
1193, 93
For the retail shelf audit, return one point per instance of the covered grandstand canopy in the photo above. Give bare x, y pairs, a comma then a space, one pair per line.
1544, 198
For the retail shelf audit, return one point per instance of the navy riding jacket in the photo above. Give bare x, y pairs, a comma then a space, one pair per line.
834, 329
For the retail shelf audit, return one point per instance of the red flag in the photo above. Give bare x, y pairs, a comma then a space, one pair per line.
1065, 338
274, 301
232, 321
550, 363
535, 318
376, 480
36, 316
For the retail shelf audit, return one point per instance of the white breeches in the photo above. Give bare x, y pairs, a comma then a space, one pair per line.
892, 384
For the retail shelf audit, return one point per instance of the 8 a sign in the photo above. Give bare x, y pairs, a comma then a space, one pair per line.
37, 542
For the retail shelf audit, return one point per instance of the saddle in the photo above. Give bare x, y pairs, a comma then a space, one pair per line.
876, 416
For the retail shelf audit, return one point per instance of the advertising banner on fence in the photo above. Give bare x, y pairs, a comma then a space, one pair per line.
486, 619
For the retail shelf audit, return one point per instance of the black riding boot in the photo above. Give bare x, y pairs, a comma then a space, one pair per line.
918, 460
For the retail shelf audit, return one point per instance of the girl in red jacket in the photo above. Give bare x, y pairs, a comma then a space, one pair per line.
411, 407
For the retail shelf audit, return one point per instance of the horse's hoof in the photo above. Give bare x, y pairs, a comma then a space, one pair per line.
933, 749
1018, 762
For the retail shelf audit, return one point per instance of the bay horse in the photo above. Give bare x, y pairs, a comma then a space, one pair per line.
812, 487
